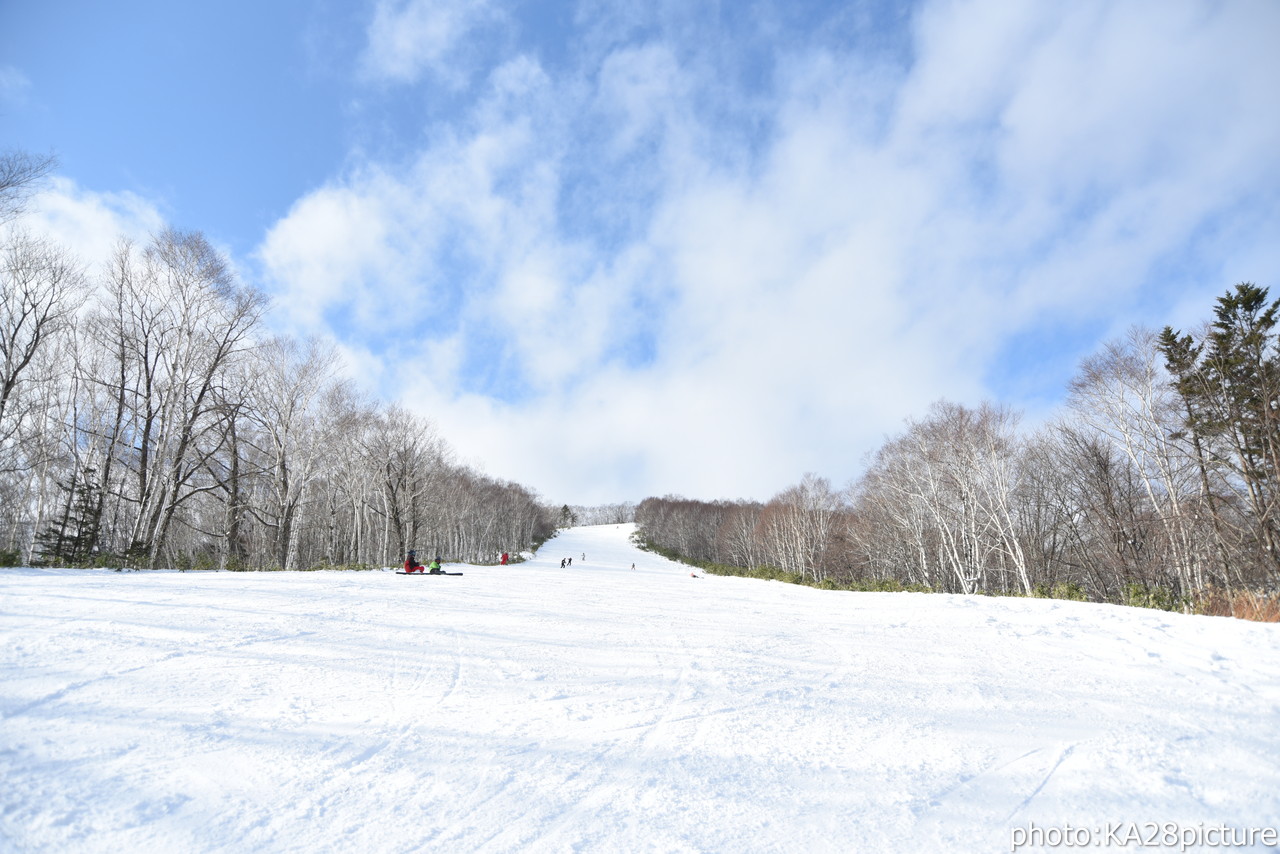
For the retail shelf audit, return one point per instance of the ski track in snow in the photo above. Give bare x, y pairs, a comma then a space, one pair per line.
592, 708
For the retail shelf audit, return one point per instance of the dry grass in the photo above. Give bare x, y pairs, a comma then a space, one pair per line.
1244, 605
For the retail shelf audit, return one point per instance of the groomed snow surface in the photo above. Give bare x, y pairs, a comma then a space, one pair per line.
596, 708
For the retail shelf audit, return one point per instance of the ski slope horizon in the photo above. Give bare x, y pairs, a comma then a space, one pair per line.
597, 708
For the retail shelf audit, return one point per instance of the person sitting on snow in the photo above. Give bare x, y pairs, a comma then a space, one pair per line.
436, 566
411, 563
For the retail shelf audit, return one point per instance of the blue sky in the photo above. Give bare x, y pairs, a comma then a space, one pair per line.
620, 249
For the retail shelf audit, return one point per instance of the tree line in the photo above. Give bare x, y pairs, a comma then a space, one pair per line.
1157, 483
603, 514
147, 418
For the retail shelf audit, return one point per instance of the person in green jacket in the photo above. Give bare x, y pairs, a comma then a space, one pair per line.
435, 566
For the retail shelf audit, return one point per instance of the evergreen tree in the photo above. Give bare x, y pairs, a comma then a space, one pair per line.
72, 538
1229, 384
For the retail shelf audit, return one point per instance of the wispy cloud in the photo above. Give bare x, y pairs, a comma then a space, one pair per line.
410, 38
14, 85
674, 265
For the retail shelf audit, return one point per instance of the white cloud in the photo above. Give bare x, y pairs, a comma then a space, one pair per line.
91, 223
343, 248
409, 38
773, 296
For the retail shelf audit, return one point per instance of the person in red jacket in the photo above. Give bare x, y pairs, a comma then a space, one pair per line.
505, 557
411, 563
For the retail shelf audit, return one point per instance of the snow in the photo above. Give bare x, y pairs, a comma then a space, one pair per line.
596, 708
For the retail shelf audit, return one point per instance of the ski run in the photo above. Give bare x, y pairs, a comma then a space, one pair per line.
603, 709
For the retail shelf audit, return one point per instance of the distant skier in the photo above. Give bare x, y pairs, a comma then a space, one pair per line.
562, 560
570, 561
411, 563
505, 556
584, 557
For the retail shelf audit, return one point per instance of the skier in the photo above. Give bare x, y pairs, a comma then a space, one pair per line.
562, 560
505, 556
411, 563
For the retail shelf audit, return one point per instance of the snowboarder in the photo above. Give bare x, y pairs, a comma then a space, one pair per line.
411, 563
435, 567
504, 558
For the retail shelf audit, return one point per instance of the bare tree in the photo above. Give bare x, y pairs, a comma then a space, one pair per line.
293, 396
736, 540
175, 321
39, 289
408, 459
799, 525
890, 529
1125, 398
951, 482
20, 174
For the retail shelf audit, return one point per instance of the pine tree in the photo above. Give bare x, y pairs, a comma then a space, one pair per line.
72, 538
1229, 385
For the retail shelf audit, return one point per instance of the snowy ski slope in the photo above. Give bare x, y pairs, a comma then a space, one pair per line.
530, 708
